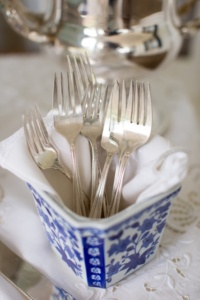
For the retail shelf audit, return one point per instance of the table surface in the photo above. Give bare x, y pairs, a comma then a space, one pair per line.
174, 273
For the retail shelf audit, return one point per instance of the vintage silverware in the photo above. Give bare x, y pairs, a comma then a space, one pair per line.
136, 132
93, 106
12, 270
68, 121
23, 294
41, 148
93, 98
118, 35
110, 142
83, 72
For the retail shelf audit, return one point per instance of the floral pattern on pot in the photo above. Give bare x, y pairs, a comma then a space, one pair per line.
133, 243
61, 235
102, 257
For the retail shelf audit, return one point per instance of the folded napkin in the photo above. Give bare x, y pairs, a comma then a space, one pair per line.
152, 169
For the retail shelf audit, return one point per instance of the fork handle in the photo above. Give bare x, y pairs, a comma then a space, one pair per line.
23, 294
97, 204
62, 169
78, 199
96, 171
118, 182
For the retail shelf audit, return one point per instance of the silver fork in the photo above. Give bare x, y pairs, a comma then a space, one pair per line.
68, 121
93, 106
93, 98
110, 140
83, 72
137, 130
42, 150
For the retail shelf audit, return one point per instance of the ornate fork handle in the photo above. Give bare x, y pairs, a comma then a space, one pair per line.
96, 171
93, 111
78, 196
96, 208
118, 183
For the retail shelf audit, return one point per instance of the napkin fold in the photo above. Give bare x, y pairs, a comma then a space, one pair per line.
152, 169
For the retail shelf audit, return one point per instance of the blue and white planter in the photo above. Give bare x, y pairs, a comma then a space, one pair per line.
102, 252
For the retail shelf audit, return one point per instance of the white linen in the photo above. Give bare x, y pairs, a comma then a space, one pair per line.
153, 168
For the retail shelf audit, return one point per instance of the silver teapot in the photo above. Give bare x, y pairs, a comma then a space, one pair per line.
121, 37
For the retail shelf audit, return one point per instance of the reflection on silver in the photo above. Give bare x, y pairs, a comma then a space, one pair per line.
20, 274
115, 33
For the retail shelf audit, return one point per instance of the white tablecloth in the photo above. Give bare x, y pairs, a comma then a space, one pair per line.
174, 273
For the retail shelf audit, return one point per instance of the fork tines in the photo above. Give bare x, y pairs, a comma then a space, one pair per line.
66, 97
36, 135
83, 72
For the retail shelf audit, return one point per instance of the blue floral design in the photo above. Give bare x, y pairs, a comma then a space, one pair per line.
136, 244
148, 240
114, 268
60, 234
161, 226
120, 246
147, 224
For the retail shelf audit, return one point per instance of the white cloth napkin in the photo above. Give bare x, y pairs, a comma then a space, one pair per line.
153, 168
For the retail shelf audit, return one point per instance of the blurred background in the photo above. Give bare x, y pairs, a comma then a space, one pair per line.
187, 65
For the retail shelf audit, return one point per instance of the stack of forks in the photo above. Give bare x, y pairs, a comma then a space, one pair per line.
121, 118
